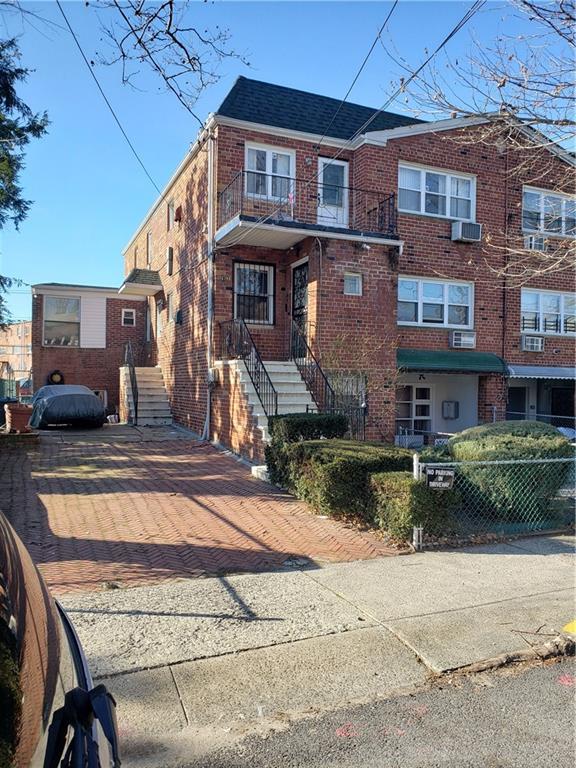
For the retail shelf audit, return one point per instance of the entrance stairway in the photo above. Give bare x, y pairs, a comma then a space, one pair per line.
153, 404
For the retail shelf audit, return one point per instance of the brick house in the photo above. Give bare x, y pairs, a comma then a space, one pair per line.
80, 331
15, 358
307, 255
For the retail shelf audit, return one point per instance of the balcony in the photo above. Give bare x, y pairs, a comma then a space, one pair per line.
277, 212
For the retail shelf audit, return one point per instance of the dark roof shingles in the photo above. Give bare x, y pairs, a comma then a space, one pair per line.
282, 107
143, 277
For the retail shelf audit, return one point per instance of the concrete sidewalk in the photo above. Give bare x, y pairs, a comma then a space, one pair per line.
200, 663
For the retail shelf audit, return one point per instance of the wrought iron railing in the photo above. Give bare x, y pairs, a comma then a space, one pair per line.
238, 344
314, 377
288, 201
129, 363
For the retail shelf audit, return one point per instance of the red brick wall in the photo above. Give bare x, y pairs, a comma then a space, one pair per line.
94, 368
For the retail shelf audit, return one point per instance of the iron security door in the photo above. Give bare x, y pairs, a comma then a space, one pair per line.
300, 296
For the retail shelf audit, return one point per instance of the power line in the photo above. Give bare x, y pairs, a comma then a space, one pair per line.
110, 107
349, 91
464, 20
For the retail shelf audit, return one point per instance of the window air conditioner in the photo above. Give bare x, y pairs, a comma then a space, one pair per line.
463, 339
533, 343
534, 243
466, 231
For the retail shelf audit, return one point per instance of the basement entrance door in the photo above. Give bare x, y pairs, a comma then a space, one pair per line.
299, 307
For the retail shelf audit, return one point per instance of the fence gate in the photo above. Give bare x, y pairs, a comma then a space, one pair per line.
504, 498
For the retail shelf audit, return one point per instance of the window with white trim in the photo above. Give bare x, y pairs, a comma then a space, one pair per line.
548, 312
413, 409
61, 321
269, 172
435, 302
352, 284
129, 317
254, 293
548, 212
436, 193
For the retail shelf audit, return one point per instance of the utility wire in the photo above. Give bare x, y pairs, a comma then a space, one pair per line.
464, 20
349, 91
110, 107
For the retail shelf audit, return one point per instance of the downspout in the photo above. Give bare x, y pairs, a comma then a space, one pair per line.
504, 390
210, 287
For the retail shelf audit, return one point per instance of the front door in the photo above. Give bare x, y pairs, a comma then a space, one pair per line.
516, 410
332, 192
299, 310
562, 402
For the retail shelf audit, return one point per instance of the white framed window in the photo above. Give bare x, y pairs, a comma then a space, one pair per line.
352, 284
61, 321
254, 293
129, 317
548, 312
436, 193
548, 212
170, 211
148, 249
269, 172
438, 303
413, 409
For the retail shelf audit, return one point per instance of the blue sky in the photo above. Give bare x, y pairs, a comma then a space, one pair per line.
89, 192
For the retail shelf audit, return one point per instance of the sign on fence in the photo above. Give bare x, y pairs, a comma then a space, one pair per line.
440, 478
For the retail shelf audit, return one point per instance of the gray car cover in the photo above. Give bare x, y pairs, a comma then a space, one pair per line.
66, 404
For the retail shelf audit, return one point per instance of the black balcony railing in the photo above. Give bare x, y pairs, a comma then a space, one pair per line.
272, 199
238, 344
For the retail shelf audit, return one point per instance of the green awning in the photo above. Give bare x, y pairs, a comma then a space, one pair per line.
452, 361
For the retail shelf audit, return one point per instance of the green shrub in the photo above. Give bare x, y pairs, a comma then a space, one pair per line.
334, 475
10, 695
291, 427
511, 492
401, 502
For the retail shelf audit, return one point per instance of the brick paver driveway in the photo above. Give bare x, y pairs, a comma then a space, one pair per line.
96, 514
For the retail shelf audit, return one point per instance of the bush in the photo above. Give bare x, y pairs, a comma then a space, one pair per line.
334, 475
511, 492
401, 502
292, 427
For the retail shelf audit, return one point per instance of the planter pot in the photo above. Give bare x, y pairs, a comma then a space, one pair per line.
17, 417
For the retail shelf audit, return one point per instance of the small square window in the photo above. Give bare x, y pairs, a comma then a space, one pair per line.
129, 317
352, 284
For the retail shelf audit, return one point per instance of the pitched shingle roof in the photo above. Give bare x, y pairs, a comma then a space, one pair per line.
281, 107
143, 277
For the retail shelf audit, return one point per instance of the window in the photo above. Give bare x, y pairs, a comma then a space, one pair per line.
148, 249
413, 409
170, 260
170, 215
548, 312
61, 321
129, 317
254, 293
352, 284
159, 308
268, 172
433, 302
548, 212
435, 193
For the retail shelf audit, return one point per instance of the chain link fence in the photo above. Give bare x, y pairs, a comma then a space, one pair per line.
503, 498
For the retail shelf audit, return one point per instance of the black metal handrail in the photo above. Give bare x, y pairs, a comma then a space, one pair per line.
310, 370
129, 362
238, 344
292, 201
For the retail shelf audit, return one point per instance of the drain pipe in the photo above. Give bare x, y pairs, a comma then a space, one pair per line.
210, 298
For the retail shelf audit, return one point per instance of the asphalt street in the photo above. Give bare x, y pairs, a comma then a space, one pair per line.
512, 718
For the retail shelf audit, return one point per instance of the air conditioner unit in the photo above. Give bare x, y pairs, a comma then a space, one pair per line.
533, 343
463, 339
534, 243
466, 231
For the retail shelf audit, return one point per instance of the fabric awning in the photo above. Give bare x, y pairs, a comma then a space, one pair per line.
540, 372
449, 361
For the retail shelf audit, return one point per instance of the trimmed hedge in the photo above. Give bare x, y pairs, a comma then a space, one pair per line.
292, 427
401, 502
333, 476
509, 440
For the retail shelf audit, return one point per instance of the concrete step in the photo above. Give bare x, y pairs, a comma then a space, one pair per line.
156, 421
159, 394
275, 366
156, 408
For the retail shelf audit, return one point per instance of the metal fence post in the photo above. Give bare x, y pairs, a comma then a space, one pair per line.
416, 466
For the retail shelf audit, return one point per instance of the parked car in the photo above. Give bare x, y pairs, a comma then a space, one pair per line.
50, 713
66, 404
